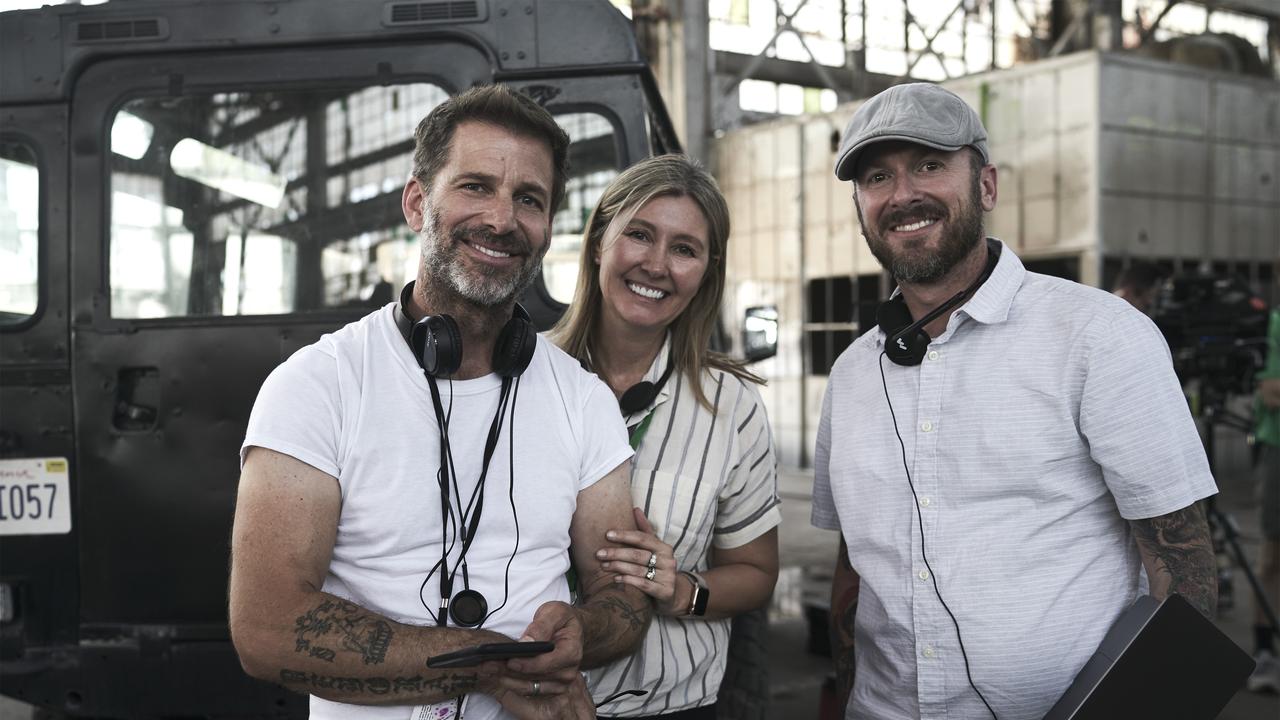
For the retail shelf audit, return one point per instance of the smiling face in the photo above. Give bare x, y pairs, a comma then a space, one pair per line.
921, 208
485, 222
652, 263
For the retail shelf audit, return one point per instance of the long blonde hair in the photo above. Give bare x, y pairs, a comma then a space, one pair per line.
659, 176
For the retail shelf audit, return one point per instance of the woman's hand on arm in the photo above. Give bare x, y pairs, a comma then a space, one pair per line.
740, 579
631, 563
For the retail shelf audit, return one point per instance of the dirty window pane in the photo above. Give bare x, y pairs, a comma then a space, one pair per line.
19, 233
263, 202
593, 165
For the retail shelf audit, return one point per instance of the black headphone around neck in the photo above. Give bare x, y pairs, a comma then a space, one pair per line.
639, 396
906, 342
436, 342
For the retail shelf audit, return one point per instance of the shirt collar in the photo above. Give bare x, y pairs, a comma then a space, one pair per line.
656, 368
990, 303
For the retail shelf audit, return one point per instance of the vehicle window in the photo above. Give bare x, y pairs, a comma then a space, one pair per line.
263, 202
19, 233
593, 165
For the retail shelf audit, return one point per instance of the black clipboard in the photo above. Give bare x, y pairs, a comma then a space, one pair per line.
1159, 659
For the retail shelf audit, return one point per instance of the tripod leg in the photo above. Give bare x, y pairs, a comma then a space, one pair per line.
1229, 534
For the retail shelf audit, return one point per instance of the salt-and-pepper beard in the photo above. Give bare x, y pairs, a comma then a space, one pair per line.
479, 285
958, 240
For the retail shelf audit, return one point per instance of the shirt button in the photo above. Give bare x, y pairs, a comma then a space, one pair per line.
924, 574
926, 426
924, 502
928, 651
933, 354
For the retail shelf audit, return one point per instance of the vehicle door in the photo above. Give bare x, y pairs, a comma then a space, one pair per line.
37, 476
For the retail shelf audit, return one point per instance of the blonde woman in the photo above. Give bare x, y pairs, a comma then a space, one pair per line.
703, 478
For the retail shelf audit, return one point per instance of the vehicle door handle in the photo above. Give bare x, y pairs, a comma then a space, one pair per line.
137, 399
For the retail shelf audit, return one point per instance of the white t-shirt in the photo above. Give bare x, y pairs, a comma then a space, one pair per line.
356, 405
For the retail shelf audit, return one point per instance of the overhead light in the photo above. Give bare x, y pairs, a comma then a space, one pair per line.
223, 171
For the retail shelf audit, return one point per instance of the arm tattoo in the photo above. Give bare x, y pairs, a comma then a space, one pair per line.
618, 607
1183, 556
844, 610
344, 625
451, 685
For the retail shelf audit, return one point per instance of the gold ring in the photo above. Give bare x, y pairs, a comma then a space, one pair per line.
650, 574
537, 688
653, 560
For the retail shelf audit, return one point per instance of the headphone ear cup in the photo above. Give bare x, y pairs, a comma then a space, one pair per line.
437, 345
909, 349
637, 397
893, 317
468, 608
513, 351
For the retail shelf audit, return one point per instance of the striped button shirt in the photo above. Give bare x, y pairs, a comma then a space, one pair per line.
1044, 416
703, 478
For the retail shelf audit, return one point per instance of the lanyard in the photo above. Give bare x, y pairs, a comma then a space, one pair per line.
637, 433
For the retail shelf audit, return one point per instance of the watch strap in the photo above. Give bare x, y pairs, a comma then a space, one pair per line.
701, 594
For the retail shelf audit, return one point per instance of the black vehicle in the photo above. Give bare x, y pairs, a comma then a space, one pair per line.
189, 192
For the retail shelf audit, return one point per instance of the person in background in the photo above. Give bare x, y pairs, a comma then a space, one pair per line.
1266, 675
703, 477
372, 531
1001, 478
1139, 283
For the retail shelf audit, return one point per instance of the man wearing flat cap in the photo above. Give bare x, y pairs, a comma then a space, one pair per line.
1003, 455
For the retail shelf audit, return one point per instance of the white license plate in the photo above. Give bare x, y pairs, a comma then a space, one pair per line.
35, 497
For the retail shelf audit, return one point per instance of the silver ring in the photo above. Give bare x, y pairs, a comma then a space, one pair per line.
650, 574
537, 688
653, 561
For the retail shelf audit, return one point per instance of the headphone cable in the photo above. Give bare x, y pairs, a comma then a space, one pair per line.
920, 520
511, 496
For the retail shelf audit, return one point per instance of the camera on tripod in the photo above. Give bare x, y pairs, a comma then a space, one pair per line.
1216, 329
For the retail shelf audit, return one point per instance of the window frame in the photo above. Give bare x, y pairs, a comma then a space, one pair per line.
42, 230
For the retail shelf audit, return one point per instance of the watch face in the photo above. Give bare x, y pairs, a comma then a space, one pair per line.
701, 595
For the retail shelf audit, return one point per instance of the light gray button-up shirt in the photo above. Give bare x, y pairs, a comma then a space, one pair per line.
1044, 416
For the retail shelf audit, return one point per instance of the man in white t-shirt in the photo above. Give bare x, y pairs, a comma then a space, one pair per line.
357, 552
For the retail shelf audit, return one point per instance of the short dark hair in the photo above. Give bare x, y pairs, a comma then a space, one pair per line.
497, 105
1140, 275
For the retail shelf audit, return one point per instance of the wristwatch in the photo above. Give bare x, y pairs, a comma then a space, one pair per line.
701, 594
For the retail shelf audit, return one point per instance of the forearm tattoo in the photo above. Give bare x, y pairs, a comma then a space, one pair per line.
1184, 559
340, 625
611, 622
448, 685
618, 607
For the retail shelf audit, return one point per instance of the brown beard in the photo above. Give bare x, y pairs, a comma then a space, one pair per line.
485, 287
958, 239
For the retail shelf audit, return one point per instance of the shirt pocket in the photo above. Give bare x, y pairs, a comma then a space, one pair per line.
681, 508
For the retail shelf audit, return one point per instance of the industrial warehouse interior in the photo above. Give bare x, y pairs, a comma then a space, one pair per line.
192, 192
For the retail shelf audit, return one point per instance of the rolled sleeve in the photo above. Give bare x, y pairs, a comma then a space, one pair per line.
749, 499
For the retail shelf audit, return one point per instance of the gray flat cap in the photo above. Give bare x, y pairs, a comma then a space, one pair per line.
921, 113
